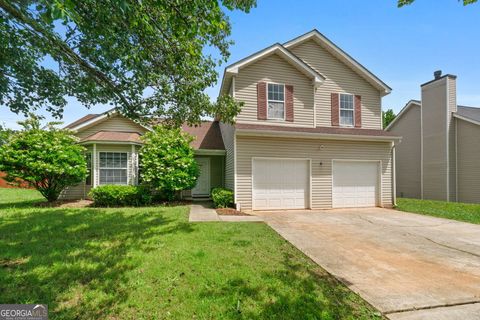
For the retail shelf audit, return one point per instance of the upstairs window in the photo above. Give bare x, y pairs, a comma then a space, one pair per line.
276, 101
113, 168
346, 110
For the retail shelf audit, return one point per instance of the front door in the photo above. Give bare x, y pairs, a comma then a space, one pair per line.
203, 182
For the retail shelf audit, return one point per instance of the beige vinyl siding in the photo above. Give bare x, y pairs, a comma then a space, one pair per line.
408, 153
452, 107
79, 191
434, 108
468, 148
274, 69
248, 147
113, 123
339, 78
228, 135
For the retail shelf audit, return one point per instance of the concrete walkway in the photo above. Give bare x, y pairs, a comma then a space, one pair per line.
408, 266
203, 212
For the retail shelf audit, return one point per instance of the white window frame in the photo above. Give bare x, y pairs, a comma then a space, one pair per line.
340, 110
100, 168
284, 101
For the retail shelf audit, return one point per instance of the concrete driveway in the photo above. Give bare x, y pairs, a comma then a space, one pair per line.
408, 266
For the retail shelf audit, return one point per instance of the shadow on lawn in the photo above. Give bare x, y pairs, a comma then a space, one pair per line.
297, 292
76, 260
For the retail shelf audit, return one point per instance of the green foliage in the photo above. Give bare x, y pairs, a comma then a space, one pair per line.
222, 197
167, 161
402, 3
387, 116
114, 51
120, 195
47, 159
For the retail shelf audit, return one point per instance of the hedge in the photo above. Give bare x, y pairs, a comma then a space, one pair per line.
222, 197
120, 195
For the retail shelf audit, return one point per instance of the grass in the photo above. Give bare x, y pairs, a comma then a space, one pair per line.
150, 263
449, 210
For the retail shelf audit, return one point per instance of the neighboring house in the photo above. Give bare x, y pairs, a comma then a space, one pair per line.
309, 135
438, 157
113, 142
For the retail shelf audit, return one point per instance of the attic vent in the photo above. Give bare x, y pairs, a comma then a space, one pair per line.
437, 74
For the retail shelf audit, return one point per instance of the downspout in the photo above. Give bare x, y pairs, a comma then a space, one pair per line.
394, 176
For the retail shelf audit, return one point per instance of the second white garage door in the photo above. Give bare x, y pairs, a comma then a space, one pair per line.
355, 184
280, 184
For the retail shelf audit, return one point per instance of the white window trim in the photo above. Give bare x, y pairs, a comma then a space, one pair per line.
111, 168
284, 102
340, 110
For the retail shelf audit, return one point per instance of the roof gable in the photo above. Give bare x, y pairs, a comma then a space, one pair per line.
470, 114
278, 49
342, 56
411, 103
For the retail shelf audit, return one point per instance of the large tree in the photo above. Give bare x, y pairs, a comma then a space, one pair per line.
402, 3
48, 159
388, 116
147, 57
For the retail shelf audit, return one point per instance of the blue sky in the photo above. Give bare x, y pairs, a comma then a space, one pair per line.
401, 46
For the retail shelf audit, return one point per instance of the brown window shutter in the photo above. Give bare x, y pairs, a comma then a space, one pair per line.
289, 103
335, 111
262, 101
358, 111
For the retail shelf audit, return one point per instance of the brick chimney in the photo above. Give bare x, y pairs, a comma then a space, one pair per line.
439, 101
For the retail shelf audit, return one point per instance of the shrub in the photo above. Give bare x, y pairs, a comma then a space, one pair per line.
222, 197
167, 161
119, 195
48, 159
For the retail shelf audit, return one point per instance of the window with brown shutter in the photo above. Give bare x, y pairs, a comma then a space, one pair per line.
262, 101
289, 103
358, 111
335, 111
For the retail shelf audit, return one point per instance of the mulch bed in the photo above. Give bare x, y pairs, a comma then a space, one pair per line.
230, 212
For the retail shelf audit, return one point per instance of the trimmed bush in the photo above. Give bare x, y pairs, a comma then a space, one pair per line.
119, 195
222, 197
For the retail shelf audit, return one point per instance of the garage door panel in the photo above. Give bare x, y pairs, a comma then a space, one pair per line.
280, 184
355, 184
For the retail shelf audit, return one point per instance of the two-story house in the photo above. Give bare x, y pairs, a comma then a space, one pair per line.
309, 135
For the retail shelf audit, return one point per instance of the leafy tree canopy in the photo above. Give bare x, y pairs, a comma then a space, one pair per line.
47, 159
4, 134
167, 160
402, 3
388, 116
147, 57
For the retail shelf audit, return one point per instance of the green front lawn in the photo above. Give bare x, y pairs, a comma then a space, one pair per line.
150, 263
449, 210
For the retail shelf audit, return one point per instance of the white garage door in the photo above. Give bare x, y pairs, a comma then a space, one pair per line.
280, 184
355, 184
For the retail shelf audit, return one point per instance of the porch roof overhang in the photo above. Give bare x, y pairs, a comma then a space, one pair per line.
113, 137
327, 133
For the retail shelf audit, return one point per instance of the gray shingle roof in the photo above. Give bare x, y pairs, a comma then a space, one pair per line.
469, 112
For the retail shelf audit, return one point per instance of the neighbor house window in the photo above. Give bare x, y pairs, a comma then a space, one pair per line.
276, 101
113, 168
346, 110
88, 158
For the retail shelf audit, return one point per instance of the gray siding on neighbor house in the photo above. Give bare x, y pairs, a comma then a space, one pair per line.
274, 69
248, 147
468, 157
342, 79
435, 137
408, 158
228, 135
113, 123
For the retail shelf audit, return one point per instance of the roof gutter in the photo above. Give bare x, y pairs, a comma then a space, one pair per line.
311, 135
